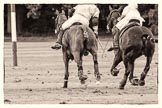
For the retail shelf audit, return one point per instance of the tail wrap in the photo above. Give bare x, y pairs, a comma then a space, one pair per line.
147, 37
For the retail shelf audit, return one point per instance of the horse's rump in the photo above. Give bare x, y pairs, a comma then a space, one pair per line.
75, 39
133, 38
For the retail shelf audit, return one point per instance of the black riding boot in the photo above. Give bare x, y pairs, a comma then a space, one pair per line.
58, 43
115, 32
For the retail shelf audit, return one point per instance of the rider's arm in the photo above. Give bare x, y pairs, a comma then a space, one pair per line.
95, 16
95, 11
121, 17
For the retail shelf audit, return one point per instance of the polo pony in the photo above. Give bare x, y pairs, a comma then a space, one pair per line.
134, 41
76, 40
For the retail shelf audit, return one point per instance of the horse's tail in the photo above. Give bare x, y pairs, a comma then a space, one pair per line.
147, 37
86, 38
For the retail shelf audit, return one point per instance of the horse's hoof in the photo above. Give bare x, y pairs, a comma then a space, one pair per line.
64, 87
98, 77
114, 72
122, 84
134, 82
84, 77
82, 82
121, 87
65, 84
141, 82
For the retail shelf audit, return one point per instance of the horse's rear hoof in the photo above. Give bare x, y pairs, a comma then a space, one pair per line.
98, 77
65, 84
82, 82
121, 87
134, 82
122, 84
141, 83
84, 77
114, 72
64, 87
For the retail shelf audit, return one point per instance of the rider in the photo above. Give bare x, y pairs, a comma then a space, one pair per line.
129, 12
82, 14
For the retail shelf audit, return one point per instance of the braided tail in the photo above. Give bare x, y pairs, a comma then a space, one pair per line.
147, 37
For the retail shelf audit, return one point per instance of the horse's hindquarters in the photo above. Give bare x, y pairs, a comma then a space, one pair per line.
132, 46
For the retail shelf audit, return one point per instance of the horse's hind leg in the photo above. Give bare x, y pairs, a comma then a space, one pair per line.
96, 69
129, 67
66, 62
144, 73
132, 79
78, 60
117, 60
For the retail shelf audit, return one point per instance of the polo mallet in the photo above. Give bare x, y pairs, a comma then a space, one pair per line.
100, 43
105, 48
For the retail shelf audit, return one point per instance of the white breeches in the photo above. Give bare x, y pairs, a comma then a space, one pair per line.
75, 18
121, 24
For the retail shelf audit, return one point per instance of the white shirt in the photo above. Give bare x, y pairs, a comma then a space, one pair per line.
129, 13
87, 11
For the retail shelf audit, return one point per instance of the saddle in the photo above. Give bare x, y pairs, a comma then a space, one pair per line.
132, 23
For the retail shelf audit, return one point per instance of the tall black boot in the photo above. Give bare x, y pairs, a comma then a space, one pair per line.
116, 32
58, 43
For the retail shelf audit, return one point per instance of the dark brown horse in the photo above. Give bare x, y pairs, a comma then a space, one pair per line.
74, 43
134, 42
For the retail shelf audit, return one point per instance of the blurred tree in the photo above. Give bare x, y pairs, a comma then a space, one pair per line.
8, 19
34, 10
39, 18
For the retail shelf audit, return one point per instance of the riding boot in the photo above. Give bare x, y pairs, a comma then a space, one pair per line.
58, 43
116, 38
115, 32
